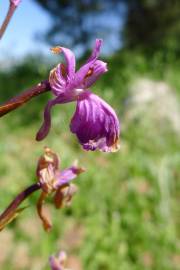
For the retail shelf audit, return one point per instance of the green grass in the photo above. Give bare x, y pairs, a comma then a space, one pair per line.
125, 214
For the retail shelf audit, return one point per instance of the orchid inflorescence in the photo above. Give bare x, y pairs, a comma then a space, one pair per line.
51, 181
94, 122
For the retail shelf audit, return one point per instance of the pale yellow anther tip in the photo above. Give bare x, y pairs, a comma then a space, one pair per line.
56, 50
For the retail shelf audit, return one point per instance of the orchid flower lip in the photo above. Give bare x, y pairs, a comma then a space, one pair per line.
95, 124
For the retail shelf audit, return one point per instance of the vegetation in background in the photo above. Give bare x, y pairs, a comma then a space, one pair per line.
153, 25
123, 217
146, 25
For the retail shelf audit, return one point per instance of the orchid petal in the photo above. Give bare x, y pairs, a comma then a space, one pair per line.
64, 195
96, 50
88, 69
58, 263
70, 62
95, 124
98, 69
57, 80
41, 213
67, 175
44, 130
54, 263
60, 99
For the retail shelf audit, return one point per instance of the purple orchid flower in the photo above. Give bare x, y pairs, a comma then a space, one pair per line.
95, 123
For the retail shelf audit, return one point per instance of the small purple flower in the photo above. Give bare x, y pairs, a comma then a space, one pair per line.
58, 263
15, 2
95, 123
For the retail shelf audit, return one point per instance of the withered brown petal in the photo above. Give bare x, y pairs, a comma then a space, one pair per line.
45, 221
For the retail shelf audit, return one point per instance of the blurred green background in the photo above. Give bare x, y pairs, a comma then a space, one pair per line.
125, 214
